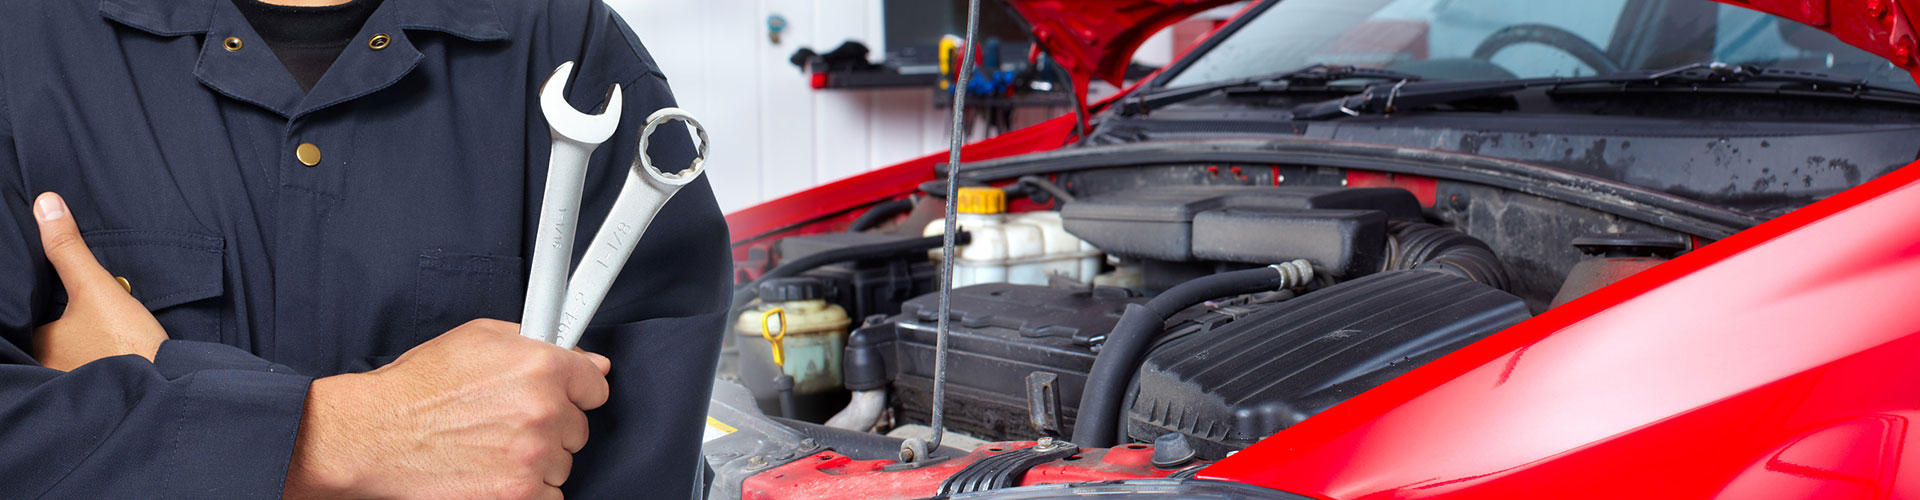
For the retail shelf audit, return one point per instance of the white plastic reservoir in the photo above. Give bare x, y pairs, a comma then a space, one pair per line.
1022, 248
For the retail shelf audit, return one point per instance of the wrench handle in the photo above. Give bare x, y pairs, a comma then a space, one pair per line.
632, 212
646, 191
553, 246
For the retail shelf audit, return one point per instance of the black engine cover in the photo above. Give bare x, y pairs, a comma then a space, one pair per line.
1228, 386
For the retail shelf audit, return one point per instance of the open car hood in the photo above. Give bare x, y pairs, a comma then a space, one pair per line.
1097, 38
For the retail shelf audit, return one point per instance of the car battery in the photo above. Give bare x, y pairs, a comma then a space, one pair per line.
1018, 356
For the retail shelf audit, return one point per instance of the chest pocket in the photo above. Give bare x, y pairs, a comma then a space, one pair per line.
178, 275
454, 288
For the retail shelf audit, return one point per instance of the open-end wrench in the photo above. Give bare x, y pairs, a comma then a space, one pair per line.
646, 191
575, 135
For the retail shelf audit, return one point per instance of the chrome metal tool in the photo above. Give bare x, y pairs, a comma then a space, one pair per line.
558, 306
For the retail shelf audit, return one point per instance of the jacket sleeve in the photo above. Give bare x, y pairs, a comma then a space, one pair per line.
661, 324
206, 421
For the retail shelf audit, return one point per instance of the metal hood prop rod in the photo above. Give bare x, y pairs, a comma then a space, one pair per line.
914, 450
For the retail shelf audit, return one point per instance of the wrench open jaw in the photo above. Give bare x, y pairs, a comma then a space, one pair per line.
575, 135
558, 307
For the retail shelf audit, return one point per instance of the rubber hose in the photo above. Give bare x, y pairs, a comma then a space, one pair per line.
879, 214
875, 251
1426, 247
1040, 183
862, 412
857, 445
1120, 356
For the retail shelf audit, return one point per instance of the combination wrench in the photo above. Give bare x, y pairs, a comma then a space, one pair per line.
558, 307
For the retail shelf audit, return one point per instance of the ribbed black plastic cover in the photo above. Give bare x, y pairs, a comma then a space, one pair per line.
1002, 334
1230, 386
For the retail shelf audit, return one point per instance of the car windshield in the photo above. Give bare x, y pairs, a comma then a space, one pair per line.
1506, 39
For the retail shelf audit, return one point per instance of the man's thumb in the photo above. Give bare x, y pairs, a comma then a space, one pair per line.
60, 238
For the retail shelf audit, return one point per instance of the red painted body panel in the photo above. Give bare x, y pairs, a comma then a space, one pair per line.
831, 476
1781, 360
1882, 27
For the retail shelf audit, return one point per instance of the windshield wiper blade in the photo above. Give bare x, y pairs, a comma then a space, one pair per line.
1387, 100
1316, 76
1694, 76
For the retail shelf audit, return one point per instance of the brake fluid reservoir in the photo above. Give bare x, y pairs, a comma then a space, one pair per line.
816, 335
1013, 248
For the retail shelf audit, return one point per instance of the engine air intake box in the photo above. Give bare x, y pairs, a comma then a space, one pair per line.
1342, 230
1231, 385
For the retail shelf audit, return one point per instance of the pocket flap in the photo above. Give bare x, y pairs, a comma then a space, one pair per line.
165, 268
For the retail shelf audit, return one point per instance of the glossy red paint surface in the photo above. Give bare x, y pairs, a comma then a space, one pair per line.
831, 476
1097, 38
1883, 27
1777, 363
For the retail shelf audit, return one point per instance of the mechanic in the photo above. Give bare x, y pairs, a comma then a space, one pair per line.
319, 202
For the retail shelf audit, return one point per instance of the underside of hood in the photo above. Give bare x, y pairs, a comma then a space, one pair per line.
1878, 26
1097, 38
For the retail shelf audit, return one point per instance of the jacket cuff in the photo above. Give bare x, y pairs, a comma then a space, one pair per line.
180, 358
241, 425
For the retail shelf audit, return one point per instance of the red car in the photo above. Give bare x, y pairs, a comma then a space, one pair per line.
1353, 249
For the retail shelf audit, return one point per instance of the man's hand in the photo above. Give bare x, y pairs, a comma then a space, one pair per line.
478, 412
101, 319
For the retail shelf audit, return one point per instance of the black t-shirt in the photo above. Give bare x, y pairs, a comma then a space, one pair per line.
307, 39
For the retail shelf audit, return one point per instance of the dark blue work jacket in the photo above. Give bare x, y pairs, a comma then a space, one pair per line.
177, 152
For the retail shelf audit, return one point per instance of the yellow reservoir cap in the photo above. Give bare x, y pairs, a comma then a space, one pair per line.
982, 200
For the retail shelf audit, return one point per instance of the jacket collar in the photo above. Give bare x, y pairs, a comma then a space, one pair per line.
475, 20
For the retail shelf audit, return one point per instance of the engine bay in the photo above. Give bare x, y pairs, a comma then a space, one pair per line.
1125, 323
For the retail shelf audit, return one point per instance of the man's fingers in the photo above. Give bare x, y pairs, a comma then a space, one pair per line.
587, 384
573, 432
555, 467
60, 238
605, 365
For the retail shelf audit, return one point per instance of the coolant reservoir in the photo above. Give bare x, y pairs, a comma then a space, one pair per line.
1013, 248
816, 336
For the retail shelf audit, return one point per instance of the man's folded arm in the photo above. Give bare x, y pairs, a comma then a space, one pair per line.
205, 421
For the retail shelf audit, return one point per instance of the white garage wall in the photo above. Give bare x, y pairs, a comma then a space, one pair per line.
774, 135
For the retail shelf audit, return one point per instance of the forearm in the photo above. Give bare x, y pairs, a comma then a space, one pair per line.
118, 428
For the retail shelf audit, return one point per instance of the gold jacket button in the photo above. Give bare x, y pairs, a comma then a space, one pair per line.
232, 44
124, 283
379, 41
308, 154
